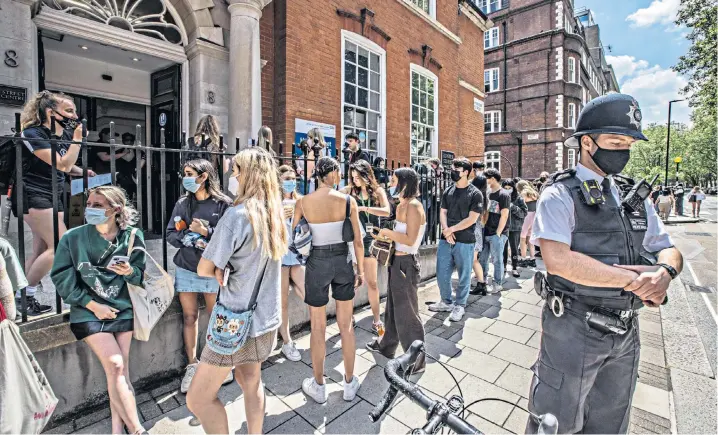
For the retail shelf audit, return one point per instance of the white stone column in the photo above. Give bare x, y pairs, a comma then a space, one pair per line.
245, 70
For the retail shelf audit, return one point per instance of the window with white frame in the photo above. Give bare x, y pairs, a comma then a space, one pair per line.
572, 70
571, 158
567, 25
491, 80
571, 115
492, 159
428, 6
491, 38
492, 121
362, 82
424, 114
583, 58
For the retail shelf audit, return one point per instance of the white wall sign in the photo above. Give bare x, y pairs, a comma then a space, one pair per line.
302, 126
478, 105
532, 137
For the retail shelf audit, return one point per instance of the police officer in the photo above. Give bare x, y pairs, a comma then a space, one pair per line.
597, 278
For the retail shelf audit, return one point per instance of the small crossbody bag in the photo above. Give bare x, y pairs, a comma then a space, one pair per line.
228, 330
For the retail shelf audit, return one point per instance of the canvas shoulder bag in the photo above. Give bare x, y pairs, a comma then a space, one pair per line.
228, 330
151, 300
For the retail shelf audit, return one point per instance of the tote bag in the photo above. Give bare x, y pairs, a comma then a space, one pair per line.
150, 301
26, 398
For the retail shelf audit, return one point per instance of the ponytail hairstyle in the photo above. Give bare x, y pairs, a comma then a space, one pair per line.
33, 113
324, 167
117, 199
208, 127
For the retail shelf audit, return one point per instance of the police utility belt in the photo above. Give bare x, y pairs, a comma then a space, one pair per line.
604, 320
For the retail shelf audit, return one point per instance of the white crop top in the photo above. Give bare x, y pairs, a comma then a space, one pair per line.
328, 233
400, 227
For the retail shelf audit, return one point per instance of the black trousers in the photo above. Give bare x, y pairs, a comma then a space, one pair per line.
514, 244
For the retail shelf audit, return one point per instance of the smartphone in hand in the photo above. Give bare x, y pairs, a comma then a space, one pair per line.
118, 259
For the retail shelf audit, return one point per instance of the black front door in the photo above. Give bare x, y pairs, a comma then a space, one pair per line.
165, 114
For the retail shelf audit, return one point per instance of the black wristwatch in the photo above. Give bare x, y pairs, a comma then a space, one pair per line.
671, 270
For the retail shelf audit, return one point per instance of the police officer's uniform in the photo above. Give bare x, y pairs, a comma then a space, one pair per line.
586, 377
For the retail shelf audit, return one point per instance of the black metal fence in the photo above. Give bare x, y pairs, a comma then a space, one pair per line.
158, 172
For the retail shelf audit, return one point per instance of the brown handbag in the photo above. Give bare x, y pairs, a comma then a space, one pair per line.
383, 250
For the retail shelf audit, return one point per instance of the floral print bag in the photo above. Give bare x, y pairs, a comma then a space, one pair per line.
227, 331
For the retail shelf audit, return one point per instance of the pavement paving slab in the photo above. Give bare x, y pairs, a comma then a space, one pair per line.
516, 353
505, 315
294, 425
356, 421
695, 402
652, 399
320, 415
492, 410
476, 340
516, 379
479, 364
515, 333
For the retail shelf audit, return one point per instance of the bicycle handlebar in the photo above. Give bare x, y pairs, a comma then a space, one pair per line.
392, 372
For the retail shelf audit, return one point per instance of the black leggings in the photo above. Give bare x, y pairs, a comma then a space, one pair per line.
514, 241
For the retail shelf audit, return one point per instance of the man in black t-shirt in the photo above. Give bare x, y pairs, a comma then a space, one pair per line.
356, 153
678, 192
461, 205
496, 228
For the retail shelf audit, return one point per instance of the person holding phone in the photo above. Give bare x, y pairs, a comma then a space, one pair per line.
373, 205
191, 227
91, 271
403, 324
329, 265
292, 269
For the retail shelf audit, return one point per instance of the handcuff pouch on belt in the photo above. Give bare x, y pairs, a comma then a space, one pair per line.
553, 299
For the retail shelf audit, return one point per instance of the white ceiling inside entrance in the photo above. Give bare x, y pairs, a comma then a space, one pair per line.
105, 53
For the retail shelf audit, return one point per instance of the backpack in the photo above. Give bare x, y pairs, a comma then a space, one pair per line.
7, 163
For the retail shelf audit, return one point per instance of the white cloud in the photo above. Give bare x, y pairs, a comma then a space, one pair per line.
653, 87
659, 11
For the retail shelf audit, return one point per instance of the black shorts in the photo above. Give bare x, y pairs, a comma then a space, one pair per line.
329, 265
85, 329
367, 244
35, 199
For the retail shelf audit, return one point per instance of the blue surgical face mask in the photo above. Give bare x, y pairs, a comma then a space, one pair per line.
289, 186
95, 216
392, 191
190, 184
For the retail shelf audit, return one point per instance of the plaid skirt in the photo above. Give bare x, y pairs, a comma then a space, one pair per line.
255, 350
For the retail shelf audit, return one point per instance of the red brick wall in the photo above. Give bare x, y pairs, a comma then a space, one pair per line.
306, 72
266, 44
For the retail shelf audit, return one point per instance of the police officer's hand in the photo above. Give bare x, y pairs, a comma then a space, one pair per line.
651, 285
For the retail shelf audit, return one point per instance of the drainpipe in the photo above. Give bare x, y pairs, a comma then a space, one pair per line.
505, 25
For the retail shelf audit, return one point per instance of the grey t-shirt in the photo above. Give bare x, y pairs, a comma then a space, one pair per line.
233, 242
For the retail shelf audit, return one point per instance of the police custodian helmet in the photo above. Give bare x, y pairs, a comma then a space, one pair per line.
613, 114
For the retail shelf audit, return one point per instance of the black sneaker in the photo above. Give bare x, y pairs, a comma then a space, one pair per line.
516, 273
479, 289
531, 262
34, 308
373, 346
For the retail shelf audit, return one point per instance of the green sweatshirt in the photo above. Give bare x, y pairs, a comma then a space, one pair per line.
80, 276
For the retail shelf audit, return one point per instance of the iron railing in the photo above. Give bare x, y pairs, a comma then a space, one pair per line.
165, 178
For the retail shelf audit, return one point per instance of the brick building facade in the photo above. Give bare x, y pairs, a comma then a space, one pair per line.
406, 75
543, 63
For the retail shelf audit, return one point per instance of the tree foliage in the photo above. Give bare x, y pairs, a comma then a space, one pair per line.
700, 64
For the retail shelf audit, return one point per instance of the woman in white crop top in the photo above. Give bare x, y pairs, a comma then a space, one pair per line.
401, 316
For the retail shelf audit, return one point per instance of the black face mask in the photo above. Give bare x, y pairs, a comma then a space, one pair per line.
610, 161
455, 175
66, 123
543, 178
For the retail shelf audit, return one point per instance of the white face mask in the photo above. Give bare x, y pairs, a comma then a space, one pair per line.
233, 185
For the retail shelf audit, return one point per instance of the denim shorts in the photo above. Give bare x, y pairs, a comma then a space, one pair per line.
290, 259
187, 281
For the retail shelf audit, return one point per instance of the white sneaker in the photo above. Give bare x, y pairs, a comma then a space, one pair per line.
457, 313
441, 306
229, 378
351, 388
291, 352
187, 380
314, 390
496, 288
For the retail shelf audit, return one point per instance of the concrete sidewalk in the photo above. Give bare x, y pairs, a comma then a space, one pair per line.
489, 353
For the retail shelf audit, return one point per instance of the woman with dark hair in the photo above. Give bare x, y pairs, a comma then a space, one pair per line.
380, 171
205, 141
190, 229
329, 265
403, 324
517, 213
480, 183
373, 205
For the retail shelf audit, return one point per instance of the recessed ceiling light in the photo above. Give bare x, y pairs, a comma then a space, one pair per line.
136, 59
84, 47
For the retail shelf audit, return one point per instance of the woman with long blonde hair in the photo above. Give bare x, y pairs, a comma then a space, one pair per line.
530, 196
46, 116
248, 244
92, 268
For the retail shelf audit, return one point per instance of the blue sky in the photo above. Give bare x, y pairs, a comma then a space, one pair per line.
645, 44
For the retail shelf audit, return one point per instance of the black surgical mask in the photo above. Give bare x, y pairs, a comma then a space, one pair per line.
455, 175
543, 178
65, 122
610, 161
